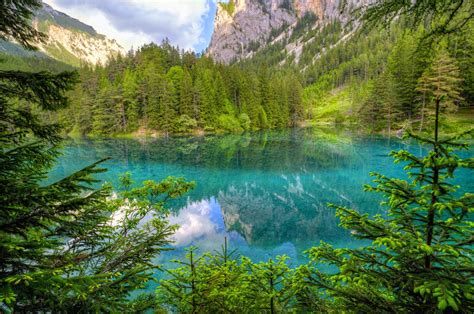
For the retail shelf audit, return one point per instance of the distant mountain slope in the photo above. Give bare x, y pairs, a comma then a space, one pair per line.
243, 27
69, 40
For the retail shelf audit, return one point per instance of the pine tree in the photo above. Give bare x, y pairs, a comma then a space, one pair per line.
108, 110
221, 97
175, 77
152, 95
186, 289
402, 67
384, 99
269, 289
167, 112
207, 99
267, 97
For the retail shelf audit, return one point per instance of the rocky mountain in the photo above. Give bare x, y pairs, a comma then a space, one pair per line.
69, 40
243, 27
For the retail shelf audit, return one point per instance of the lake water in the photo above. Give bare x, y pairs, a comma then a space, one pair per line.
266, 192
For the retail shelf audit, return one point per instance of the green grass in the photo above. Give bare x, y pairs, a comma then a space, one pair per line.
338, 106
58, 52
460, 121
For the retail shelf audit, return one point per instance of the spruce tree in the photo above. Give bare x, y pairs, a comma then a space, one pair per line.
295, 101
130, 96
187, 97
402, 68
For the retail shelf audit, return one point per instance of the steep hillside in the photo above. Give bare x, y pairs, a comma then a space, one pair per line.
69, 40
243, 27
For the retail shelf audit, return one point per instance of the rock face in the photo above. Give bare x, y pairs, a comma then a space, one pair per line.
252, 24
72, 41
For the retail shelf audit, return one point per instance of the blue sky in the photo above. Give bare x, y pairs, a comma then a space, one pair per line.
187, 23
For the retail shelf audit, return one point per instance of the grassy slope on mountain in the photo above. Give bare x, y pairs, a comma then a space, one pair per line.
31, 63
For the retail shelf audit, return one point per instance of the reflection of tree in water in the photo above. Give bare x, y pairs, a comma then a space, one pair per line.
288, 150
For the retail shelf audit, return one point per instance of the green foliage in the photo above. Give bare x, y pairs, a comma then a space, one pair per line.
157, 89
14, 22
220, 282
229, 7
419, 255
444, 16
69, 247
244, 121
229, 123
184, 124
65, 245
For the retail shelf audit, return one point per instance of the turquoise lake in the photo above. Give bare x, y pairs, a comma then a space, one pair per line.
266, 192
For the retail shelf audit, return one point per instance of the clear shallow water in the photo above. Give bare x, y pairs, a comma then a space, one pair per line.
267, 192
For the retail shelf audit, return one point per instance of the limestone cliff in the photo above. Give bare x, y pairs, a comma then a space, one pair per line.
242, 27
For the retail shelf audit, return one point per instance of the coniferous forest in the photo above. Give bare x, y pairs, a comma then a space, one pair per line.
162, 89
71, 246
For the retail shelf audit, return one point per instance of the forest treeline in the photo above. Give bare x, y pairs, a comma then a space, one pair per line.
159, 88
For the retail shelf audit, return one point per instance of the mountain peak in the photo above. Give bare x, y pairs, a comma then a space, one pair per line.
68, 40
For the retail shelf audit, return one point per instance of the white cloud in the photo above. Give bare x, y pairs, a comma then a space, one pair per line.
136, 22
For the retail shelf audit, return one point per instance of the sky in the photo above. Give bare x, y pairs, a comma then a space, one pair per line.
187, 23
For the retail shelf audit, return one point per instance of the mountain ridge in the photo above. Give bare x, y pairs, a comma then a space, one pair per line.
68, 40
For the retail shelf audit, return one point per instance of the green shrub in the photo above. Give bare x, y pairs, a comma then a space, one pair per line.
244, 121
229, 123
184, 124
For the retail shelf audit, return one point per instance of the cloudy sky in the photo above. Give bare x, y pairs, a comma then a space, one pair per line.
187, 23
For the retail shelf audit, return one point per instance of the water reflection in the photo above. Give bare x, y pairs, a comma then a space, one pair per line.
267, 192
199, 223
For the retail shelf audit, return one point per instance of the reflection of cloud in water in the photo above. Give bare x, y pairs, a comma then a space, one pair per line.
200, 223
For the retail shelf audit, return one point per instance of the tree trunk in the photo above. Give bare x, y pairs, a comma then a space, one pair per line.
423, 111
435, 188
